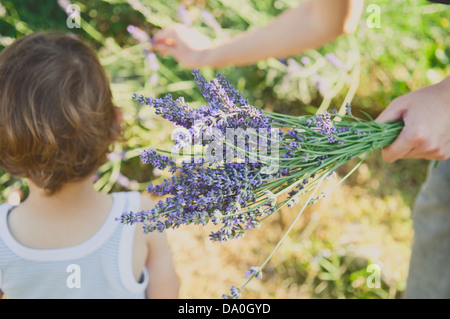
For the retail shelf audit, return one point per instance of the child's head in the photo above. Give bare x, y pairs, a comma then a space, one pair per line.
57, 118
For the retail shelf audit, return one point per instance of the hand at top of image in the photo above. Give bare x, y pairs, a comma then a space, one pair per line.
186, 45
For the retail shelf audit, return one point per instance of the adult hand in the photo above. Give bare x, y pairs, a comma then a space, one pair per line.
325, 20
184, 44
426, 116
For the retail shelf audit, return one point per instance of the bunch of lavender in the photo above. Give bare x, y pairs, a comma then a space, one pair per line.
234, 165
203, 189
276, 154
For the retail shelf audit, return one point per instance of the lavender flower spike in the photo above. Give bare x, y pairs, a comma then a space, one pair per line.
156, 160
254, 270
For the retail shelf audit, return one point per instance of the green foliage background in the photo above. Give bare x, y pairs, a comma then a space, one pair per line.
409, 50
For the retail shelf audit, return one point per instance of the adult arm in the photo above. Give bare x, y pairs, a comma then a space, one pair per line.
310, 25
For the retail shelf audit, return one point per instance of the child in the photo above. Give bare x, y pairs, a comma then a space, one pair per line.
57, 123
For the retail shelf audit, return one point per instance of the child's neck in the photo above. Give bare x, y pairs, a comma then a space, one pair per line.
67, 218
71, 197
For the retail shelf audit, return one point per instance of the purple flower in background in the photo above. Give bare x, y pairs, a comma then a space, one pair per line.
183, 15
320, 84
293, 66
64, 4
72, 11
150, 58
152, 64
138, 34
123, 180
335, 61
282, 60
210, 21
306, 60
116, 157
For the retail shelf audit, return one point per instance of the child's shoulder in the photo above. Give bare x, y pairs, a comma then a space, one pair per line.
146, 202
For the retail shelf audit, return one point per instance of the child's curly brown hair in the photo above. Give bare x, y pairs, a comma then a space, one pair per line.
57, 118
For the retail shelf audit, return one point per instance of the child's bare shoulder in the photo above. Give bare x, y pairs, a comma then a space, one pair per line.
146, 202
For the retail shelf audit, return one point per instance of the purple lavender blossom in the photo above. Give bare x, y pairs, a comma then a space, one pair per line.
325, 124
348, 108
175, 111
223, 99
235, 293
283, 60
254, 271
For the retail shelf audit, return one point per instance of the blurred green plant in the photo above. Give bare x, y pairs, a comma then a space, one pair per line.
370, 68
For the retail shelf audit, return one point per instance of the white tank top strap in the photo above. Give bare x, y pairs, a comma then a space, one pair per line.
4, 209
126, 249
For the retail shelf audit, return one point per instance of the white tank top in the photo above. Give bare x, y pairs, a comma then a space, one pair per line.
99, 268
